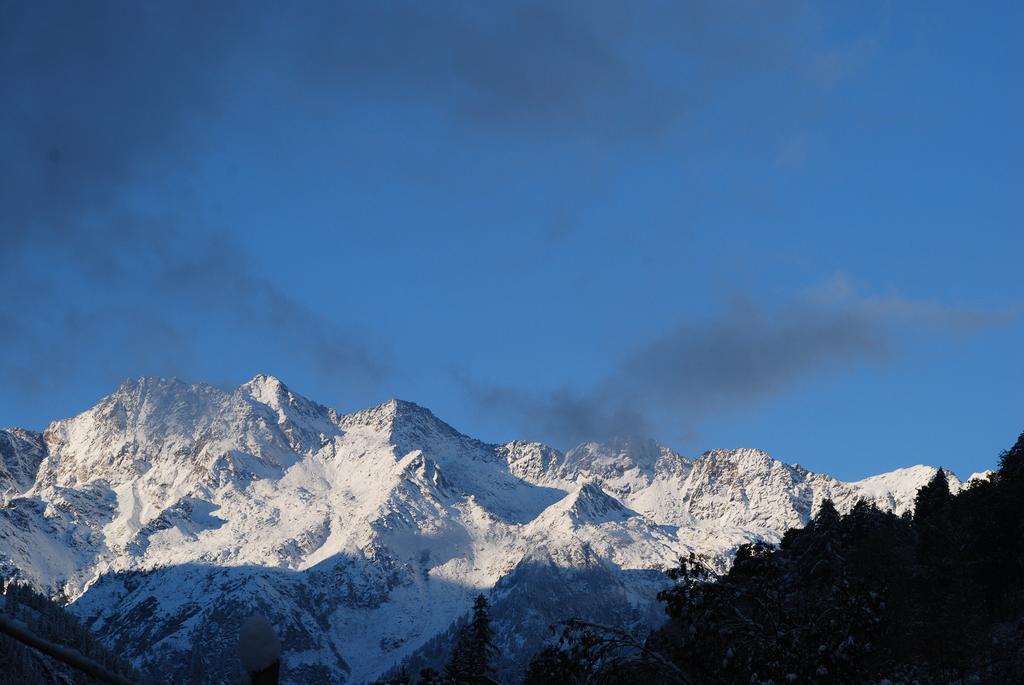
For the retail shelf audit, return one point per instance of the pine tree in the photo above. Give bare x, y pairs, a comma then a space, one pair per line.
1011, 462
471, 657
827, 516
933, 498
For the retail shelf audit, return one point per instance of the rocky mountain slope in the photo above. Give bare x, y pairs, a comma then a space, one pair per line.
169, 512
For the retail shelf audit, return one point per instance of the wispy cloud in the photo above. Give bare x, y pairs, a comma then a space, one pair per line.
750, 352
107, 102
103, 99
140, 301
571, 69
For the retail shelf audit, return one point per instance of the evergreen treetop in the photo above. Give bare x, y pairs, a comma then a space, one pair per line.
470, 661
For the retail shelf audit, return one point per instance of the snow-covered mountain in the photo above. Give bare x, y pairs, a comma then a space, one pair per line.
21, 452
169, 512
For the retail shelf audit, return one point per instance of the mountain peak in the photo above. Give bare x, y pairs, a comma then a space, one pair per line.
589, 504
263, 385
161, 402
144, 385
400, 417
740, 454
269, 390
592, 503
622, 464
744, 462
617, 453
899, 487
304, 422
404, 409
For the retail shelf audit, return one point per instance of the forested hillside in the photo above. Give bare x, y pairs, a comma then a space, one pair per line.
936, 596
47, 620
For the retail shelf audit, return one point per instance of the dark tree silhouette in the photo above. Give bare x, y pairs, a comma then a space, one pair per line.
53, 646
471, 657
865, 597
934, 498
1011, 462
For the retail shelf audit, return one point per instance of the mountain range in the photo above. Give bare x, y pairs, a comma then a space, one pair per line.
169, 512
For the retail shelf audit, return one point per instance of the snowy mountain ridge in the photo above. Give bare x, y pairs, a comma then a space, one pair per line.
169, 512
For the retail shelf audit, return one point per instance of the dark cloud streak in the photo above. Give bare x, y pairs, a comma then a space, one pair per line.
745, 355
101, 96
593, 69
104, 99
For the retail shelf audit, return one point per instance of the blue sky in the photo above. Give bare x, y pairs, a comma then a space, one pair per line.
790, 226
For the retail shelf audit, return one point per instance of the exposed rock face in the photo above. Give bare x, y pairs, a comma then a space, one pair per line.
21, 452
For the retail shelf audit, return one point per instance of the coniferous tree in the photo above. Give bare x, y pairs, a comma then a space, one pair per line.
471, 658
934, 498
827, 516
48, 621
1011, 462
